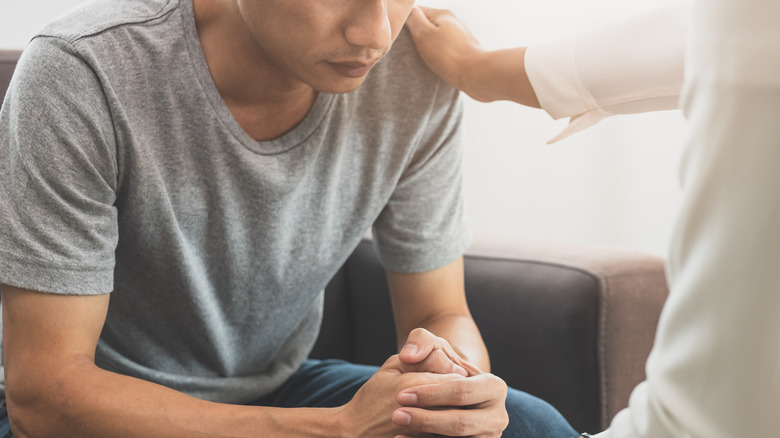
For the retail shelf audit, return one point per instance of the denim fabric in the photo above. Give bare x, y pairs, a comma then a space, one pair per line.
5, 427
329, 383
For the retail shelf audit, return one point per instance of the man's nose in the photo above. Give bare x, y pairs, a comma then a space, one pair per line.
370, 26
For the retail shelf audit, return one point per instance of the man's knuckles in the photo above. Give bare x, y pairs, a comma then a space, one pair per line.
424, 380
449, 422
451, 393
439, 362
464, 393
420, 333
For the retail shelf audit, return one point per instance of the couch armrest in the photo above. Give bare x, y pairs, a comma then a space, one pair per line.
570, 324
631, 290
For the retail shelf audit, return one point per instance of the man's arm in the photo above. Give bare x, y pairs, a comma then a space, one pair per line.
436, 301
433, 318
54, 388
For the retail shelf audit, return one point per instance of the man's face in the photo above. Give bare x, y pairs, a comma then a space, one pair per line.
330, 45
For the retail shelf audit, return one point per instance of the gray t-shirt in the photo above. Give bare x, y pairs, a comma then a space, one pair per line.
122, 171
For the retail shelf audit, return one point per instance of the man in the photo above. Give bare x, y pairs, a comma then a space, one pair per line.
211, 164
714, 371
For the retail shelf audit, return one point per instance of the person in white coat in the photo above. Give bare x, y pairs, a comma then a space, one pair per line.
714, 371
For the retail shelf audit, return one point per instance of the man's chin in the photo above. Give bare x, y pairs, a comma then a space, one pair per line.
340, 86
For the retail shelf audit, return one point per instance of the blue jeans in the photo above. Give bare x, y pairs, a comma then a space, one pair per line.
331, 383
5, 428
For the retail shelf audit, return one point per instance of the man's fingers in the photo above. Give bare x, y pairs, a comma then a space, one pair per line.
482, 390
445, 370
436, 362
451, 422
471, 406
421, 343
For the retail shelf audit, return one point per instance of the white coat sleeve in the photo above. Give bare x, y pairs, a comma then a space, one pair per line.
714, 371
628, 66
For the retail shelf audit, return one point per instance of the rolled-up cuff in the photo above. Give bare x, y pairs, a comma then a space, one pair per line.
552, 70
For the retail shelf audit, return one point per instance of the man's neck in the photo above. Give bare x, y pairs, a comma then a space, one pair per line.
264, 101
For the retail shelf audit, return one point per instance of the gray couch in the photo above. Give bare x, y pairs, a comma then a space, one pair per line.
570, 324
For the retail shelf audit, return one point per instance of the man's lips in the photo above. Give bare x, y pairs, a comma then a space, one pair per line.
353, 69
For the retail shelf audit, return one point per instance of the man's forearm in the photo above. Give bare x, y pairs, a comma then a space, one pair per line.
436, 301
86, 401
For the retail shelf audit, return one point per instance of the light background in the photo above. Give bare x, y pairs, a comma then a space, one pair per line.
615, 183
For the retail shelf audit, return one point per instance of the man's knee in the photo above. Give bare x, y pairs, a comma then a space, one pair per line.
531, 417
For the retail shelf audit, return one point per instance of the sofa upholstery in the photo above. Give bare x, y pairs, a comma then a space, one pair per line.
8, 60
570, 324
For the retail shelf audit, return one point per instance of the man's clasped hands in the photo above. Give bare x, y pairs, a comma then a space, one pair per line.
437, 393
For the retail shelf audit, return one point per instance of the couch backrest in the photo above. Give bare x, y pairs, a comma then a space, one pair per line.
8, 59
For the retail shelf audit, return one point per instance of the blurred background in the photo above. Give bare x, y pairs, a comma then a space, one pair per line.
615, 183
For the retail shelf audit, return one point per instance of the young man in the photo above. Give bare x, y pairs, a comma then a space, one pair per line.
211, 164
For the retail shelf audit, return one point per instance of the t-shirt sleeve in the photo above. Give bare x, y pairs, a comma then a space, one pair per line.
423, 226
58, 175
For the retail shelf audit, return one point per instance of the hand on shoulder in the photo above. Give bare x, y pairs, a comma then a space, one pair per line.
445, 44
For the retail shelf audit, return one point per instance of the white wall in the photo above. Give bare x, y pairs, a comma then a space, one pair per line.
19, 19
615, 183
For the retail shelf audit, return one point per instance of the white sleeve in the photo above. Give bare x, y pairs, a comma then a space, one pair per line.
628, 66
714, 370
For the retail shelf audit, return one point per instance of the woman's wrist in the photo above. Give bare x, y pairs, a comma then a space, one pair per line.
498, 75
474, 78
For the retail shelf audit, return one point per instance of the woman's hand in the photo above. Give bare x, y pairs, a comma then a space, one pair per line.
452, 52
445, 44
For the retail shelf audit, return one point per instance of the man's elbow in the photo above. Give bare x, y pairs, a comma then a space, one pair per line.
21, 416
34, 407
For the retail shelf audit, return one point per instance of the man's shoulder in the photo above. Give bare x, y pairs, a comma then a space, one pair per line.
403, 62
404, 56
403, 76
96, 17
102, 39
